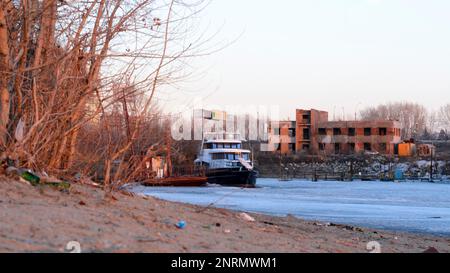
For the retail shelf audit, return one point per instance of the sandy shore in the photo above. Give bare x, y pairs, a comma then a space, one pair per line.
44, 219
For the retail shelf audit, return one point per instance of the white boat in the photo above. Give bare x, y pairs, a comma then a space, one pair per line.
225, 160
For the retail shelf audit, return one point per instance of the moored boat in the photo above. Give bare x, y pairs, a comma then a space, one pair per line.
225, 161
189, 181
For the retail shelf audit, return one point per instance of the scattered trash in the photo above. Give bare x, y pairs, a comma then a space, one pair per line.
181, 224
431, 250
227, 231
323, 224
346, 227
218, 225
82, 203
77, 176
12, 170
53, 181
18, 134
246, 217
30, 177
89, 182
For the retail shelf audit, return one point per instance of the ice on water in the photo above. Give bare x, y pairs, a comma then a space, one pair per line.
407, 206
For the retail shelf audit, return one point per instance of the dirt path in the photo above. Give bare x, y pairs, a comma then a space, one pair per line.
45, 220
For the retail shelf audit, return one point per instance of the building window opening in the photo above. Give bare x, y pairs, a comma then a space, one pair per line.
337, 131
305, 147
306, 134
382, 131
276, 131
367, 147
352, 147
306, 118
337, 148
322, 146
322, 131
367, 131
382, 147
291, 132
292, 147
351, 131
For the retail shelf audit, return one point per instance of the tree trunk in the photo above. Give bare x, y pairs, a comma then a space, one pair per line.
4, 77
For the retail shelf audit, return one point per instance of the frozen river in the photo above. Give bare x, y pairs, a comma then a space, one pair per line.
408, 206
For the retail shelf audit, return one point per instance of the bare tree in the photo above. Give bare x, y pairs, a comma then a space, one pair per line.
412, 116
5, 75
444, 116
66, 65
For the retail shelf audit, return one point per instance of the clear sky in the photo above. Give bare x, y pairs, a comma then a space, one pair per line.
333, 55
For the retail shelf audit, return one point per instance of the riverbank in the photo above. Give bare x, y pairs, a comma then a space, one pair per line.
45, 219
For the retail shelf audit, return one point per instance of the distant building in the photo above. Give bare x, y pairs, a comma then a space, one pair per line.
286, 141
312, 133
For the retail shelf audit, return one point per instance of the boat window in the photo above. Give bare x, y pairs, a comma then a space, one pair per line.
227, 145
227, 156
210, 146
220, 145
234, 146
218, 156
246, 156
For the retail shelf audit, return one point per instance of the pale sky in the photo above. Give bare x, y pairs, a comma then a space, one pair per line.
333, 55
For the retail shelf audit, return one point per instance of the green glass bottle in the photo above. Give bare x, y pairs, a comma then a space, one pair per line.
30, 177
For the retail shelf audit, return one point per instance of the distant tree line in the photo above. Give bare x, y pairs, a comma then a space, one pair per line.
416, 120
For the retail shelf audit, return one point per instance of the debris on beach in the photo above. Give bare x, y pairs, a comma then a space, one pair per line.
29, 176
32, 178
181, 224
346, 227
246, 217
431, 250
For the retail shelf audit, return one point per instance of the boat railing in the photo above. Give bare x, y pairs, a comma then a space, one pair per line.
180, 171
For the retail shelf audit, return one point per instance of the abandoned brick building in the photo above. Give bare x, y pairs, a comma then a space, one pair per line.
313, 133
